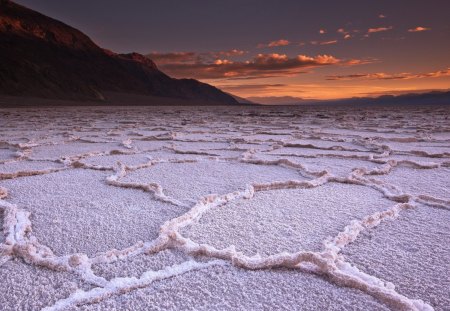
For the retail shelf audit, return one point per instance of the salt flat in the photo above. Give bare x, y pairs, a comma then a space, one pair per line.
225, 208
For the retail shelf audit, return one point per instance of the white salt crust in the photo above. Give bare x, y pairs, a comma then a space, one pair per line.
224, 208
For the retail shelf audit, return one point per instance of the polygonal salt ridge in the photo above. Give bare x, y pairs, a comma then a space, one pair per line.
388, 165
419, 147
9, 154
75, 150
136, 263
277, 289
227, 175
316, 153
289, 199
110, 162
223, 150
424, 183
24, 168
324, 144
326, 262
149, 144
143, 224
411, 252
321, 165
265, 138
366, 135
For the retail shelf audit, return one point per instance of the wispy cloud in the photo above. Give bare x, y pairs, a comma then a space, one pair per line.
175, 57
322, 31
328, 42
379, 29
191, 57
419, 29
381, 16
281, 42
323, 42
386, 76
261, 66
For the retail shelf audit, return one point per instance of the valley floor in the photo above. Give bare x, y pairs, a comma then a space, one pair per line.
225, 208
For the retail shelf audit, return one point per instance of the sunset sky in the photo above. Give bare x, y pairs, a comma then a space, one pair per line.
308, 49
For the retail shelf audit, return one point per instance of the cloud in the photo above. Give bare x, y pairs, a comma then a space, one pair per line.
419, 29
281, 42
379, 29
191, 57
328, 42
323, 42
381, 16
261, 66
386, 76
322, 31
175, 57
250, 87
233, 52
346, 33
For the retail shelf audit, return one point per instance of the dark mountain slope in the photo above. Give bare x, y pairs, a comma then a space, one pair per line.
42, 57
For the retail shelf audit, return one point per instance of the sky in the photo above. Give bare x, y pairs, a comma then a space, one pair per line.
304, 49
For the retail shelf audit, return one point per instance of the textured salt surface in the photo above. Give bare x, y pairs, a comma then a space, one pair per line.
225, 288
110, 161
236, 208
190, 181
135, 266
432, 182
8, 169
412, 252
86, 214
70, 149
336, 166
27, 287
6, 154
286, 220
2, 219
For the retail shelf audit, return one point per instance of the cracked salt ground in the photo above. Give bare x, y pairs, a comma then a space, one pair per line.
6, 154
412, 252
137, 265
110, 161
286, 220
2, 237
27, 168
71, 238
307, 152
55, 152
190, 181
85, 213
429, 182
26, 287
431, 148
227, 288
148, 145
336, 166
324, 144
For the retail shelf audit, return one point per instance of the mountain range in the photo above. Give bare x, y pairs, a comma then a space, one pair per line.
426, 98
45, 58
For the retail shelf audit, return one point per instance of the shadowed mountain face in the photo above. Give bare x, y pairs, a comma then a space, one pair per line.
42, 57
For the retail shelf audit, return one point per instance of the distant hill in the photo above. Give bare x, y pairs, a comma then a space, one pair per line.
42, 57
279, 100
435, 97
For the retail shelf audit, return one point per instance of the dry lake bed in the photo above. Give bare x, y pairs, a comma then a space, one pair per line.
225, 208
